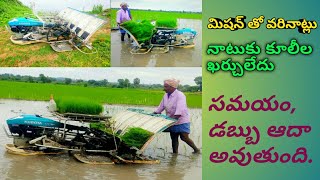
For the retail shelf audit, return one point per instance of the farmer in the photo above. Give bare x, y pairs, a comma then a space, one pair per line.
174, 103
123, 15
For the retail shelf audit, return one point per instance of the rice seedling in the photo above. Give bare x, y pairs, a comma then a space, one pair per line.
136, 137
139, 15
142, 31
97, 9
78, 105
101, 126
168, 23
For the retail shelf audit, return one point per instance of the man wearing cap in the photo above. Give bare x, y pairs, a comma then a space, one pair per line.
175, 105
123, 15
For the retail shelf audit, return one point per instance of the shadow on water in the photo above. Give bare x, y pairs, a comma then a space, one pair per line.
176, 57
185, 165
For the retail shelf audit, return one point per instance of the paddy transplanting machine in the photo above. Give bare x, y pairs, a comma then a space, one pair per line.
63, 31
86, 136
148, 37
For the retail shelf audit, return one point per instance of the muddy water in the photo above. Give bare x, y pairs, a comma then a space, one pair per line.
183, 166
177, 57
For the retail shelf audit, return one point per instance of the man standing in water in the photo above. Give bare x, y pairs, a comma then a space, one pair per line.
123, 15
175, 105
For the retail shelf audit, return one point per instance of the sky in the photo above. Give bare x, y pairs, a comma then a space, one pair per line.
176, 5
58, 5
146, 75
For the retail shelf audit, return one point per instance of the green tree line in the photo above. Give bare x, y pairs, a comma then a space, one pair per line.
121, 83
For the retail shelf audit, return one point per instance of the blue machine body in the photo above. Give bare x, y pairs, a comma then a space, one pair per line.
23, 21
185, 31
33, 125
33, 120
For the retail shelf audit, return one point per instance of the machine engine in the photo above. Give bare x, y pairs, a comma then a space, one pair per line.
168, 36
163, 37
32, 126
24, 25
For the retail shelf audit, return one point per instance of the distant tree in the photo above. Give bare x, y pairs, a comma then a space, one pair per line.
91, 82
136, 82
67, 81
17, 78
121, 83
97, 83
104, 82
52, 79
198, 81
42, 78
186, 88
30, 79
193, 89
3, 77
48, 80
126, 83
